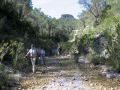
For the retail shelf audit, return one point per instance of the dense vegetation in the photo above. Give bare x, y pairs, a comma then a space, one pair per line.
102, 32
20, 25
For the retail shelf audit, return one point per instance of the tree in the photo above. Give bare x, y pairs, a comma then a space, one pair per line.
82, 17
95, 7
30, 4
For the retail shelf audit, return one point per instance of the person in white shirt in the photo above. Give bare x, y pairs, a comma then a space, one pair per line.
32, 53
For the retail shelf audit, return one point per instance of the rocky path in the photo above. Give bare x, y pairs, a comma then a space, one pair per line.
59, 74
61, 82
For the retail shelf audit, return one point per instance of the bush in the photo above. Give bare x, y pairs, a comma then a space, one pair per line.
113, 48
4, 80
98, 60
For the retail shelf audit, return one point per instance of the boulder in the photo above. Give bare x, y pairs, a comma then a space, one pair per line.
81, 60
110, 75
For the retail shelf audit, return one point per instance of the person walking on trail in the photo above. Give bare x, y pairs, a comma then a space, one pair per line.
60, 50
42, 55
32, 53
76, 55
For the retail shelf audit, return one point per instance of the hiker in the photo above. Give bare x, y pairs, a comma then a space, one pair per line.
32, 54
42, 55
55, 51
60, 50
76, 55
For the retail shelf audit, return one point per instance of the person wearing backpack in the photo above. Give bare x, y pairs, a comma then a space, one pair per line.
32, 53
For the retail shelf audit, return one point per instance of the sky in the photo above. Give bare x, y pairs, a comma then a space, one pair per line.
55, 8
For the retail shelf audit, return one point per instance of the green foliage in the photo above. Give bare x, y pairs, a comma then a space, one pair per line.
67, 47
16, 51
1, 68
85, 40
13, 51
97, 60
113, 48
4, 78
108, 31
3, 81
20, 25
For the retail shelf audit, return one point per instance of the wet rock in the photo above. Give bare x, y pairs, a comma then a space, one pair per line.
105, 71
81, 60
110, 75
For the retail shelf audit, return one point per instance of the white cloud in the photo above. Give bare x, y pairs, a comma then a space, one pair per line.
55, 8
